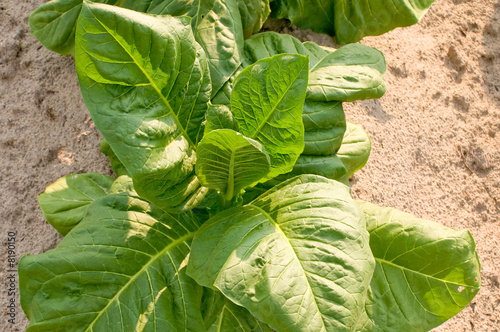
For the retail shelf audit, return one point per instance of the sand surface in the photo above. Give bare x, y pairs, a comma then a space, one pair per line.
435, 134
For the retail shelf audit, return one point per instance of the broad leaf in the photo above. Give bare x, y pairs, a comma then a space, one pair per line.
65, 202
354, 20
268, 44
216, 24
229, 162
253, 15
116, 164
54, 24
222, 315
353, 72
297, 257
324, 125
267, 104
123, 184
223, 97
425, 273
355, 149
328, 166
121, 269
319, 115
219, 117
307, 14
349, 21
146, 84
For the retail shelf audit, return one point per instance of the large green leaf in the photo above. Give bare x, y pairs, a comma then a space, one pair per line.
123, 184
222, 315
355, 149
307, 14
352, 68
253, 15
354, 20
122, 268
65, 202
353, 72
267, 104
116, 164
146, 83
297, 257
54, 24
349, 21
219, 117
324, 125
268, 44
229, 162
425, 273
217, 26
330, 166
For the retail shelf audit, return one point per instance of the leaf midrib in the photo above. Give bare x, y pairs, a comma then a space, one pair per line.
278, 228
152, 83
139, 273
230, 177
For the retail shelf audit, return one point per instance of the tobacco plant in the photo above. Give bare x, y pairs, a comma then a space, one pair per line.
231, 209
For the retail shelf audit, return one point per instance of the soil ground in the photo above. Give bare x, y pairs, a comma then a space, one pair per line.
435, 134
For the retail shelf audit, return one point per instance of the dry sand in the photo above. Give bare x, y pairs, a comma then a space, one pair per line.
435, 134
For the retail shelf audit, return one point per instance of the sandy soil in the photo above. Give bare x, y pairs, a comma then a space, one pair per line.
435, 134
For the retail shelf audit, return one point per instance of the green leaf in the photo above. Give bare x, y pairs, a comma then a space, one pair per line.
122, 268
353, 72
222, 315
146, 84
65, 202
253, 15
307, 14
324, 125
425, 273
355, 149
353, 21
317, 51
217, 27
267, 104
219, 117
54, 24
237, 319
229, 162
223, 96
330, 167
123, 184
349, 21
268, 44
116, 164
216, 24
297, 257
